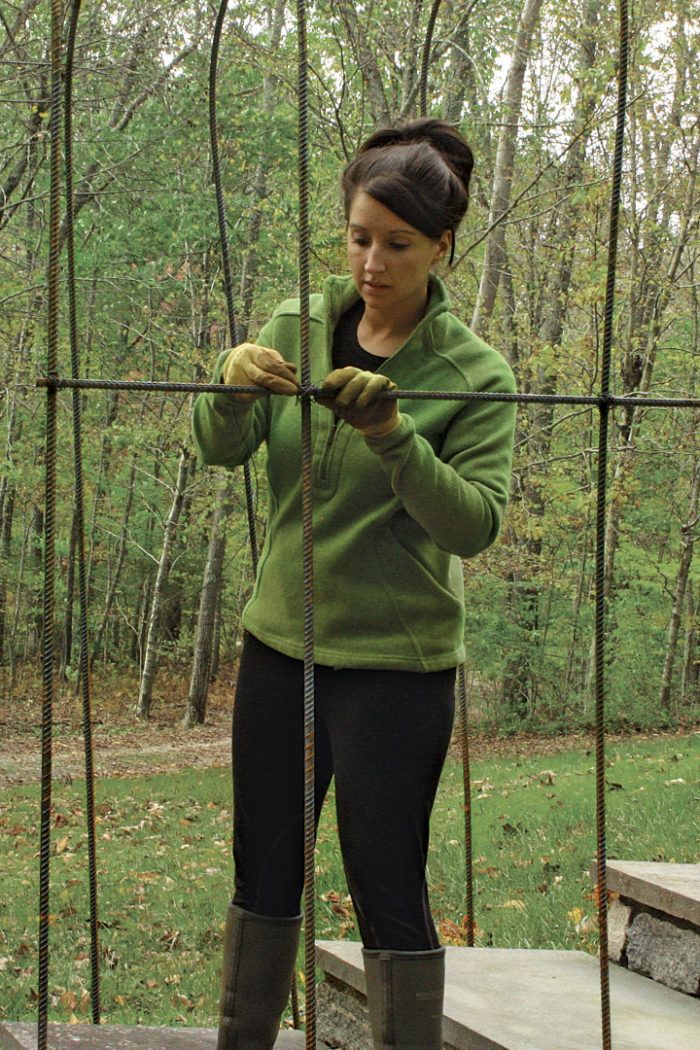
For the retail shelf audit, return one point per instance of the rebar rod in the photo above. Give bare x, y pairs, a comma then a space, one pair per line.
594, 400
463, 711
601, 499
84, 659
226, 258
307, 536
49, 525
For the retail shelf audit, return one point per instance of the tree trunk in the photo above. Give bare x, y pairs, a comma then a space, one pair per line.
8, 507
687, 540
249, 265
691, 664
519, 687
216, 644
101, 484
121, 554
67, 651
494, 257
146, 599
366, 59
34, 635
655, 287
463, 83
143, 707
201, 667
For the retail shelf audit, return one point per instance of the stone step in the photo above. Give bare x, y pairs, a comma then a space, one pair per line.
670, 888
654, 920
516, 999
19, 1036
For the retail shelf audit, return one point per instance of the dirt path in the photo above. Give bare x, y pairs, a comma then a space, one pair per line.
20, 756
122, 746
158, 749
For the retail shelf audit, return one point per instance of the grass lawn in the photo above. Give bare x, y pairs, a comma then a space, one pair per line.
164, 871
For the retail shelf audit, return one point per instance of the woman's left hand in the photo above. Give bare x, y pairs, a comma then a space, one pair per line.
352, 394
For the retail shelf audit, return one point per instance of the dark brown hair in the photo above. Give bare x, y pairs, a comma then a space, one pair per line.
420, 171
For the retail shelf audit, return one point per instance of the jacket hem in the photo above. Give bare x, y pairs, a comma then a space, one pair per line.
358, 660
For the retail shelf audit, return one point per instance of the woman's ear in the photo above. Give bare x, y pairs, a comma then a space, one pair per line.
444, 244
443, 247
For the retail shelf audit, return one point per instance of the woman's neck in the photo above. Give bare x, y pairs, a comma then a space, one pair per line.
383, 334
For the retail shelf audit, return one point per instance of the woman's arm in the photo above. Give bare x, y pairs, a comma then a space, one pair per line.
459, 497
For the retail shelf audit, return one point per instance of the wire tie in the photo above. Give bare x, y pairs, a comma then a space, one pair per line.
49, 382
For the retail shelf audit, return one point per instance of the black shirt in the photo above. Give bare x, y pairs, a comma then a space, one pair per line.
346, 347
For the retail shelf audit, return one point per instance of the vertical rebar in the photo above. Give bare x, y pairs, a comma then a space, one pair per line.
49, 523
80, 522
601, 499
307, 521
463, 712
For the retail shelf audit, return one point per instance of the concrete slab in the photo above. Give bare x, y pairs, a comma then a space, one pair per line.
20, 1036
513, 999
671, 888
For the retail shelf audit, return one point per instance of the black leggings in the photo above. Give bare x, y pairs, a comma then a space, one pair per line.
384, 736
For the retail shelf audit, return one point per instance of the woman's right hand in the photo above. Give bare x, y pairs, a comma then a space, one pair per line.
252, 365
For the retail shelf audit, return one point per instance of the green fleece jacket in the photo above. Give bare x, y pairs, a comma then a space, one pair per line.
392, 515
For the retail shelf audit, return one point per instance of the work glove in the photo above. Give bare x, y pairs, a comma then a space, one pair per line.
351, 394
251, 365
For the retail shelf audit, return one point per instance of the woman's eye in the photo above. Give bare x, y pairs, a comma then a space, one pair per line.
359, 240
398, 247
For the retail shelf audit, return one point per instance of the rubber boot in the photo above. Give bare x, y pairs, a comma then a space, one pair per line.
405, 993
259, 957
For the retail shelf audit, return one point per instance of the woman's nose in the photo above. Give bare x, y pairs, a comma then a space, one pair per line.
374, 262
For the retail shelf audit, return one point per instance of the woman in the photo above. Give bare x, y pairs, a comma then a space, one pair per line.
400, 494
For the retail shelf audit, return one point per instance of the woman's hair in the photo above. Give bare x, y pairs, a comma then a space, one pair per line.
420, 171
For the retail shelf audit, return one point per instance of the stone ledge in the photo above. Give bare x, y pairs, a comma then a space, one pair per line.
21, 1036
513, 999
650, 923
673, 889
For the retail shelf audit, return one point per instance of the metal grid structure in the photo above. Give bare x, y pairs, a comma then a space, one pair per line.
605, 402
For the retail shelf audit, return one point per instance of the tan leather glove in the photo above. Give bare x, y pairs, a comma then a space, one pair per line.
252, 365
352, 396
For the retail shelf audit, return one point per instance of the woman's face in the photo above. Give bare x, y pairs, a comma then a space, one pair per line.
390, 260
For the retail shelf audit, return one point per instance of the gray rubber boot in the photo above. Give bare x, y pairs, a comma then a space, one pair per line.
259, 957
405, 993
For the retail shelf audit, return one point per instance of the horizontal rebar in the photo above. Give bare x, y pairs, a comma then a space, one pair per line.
316, 392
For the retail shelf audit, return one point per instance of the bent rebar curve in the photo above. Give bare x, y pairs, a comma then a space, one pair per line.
226, 257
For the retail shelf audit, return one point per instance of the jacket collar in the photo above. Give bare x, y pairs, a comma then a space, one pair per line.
339, 294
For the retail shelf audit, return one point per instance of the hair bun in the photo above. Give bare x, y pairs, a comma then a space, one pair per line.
444, 138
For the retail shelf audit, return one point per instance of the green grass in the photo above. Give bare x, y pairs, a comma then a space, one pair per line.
164, 871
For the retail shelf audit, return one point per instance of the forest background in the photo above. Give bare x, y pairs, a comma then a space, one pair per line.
532, 85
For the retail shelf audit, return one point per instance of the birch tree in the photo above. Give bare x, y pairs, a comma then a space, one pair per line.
150, 661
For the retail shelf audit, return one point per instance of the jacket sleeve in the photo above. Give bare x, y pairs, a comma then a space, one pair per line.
227, 432
459, 496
